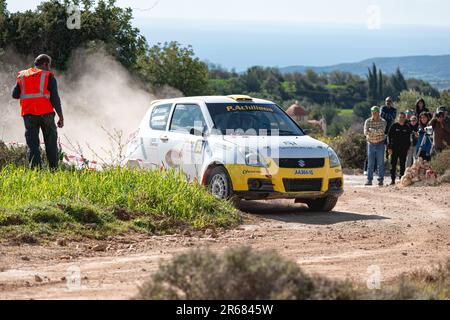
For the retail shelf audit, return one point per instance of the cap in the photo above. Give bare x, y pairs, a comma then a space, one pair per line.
375, 109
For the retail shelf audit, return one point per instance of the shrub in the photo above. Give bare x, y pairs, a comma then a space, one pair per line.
42, 213
351, 148
238, 274
245, 274
12, 155
11, 218
441, 162
362, 110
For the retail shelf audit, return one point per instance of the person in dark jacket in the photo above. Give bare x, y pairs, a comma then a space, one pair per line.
421, 106
399, 142
389, 114
424, 141
37, 90
414, 124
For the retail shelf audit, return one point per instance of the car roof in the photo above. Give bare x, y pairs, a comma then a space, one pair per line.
210, 99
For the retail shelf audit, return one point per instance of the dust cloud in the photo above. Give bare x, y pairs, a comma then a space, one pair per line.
99, 97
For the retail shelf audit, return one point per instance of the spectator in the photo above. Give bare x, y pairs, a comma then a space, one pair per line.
424, 142
421, 106
388, 113
441, 130
410, 158
409, 115
374, 130
399, 142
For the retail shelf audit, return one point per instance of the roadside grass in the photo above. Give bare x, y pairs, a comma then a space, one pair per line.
245, 274
43, 204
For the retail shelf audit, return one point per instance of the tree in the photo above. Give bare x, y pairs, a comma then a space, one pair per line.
408, 99
398, 83
4, 15
444, 100
380, 85
373, 91
176, 66
45, 30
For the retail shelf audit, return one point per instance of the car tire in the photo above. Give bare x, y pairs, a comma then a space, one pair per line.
219, 184
324, 204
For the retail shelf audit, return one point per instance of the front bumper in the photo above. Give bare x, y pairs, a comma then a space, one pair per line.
282, 183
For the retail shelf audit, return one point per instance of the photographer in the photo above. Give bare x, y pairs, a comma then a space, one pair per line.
424, 141
441, 130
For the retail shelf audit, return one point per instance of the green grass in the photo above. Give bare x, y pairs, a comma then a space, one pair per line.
101, 203
345, 112
335, 86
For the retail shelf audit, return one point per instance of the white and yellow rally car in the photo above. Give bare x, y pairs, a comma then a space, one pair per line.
238, 147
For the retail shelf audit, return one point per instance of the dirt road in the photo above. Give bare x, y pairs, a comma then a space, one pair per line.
395, 230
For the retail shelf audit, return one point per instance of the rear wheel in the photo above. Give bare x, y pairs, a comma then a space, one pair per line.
324, 204
219, 183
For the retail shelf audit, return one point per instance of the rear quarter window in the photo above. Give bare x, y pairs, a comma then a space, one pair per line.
160, 116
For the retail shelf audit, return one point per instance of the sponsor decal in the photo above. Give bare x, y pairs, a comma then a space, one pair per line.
250, 172
249, 108
304, 172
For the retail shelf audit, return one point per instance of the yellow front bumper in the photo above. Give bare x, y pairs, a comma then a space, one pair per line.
240, 174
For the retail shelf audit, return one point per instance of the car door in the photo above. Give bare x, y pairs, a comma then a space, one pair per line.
156, 138
186, 143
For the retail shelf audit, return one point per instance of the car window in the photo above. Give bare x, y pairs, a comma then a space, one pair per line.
252, 119
187, 116
159, 117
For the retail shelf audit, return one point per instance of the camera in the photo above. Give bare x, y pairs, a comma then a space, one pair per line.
429, 130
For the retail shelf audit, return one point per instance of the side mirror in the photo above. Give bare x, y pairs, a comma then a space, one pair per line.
195, 132
305, 131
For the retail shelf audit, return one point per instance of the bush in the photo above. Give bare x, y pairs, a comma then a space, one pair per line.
362, 110
12, 155
238, 274
441, 162
244, 274
351, 148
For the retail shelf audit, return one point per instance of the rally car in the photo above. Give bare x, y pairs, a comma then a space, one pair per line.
239, 148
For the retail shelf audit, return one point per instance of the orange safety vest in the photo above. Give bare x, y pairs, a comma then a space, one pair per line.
34, 94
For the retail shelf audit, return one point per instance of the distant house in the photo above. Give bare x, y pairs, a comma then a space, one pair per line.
297, 112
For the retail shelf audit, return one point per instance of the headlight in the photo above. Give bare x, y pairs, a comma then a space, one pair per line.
334, 160
253, 158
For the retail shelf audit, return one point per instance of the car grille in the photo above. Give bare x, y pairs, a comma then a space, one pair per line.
301, 185
295, 163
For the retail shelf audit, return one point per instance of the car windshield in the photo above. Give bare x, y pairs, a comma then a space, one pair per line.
252, 119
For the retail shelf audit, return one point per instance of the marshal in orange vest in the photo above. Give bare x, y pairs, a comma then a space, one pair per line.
34, 94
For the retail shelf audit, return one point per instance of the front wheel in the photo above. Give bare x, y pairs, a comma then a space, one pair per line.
324, 204
219, 183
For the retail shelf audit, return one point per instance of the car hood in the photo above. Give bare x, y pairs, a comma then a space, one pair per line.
281, 146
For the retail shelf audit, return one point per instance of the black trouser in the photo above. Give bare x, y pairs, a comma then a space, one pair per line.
46, 123
398, 155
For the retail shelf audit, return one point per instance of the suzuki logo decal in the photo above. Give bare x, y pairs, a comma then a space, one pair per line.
301, 163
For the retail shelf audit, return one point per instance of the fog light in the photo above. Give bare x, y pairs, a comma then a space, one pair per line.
255, 184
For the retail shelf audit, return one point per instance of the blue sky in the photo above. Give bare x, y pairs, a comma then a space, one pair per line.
241, 33
410, 12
